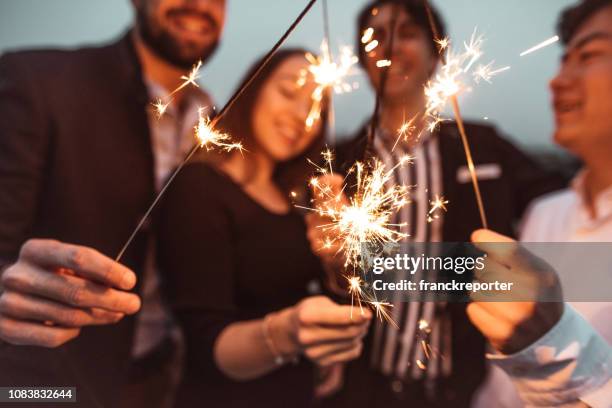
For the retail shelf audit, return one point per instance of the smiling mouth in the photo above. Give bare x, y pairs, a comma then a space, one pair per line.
192, 22
567, 107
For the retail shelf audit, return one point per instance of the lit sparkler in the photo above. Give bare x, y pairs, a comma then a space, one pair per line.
452, 78
328, 74
209, 138
366, 217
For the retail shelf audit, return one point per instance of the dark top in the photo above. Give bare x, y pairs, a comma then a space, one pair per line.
226, 259
75, 165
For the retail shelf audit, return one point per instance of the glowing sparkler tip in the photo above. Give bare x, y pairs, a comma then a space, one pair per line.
438, 203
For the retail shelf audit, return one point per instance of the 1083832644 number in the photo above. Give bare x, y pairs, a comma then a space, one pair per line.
42, 394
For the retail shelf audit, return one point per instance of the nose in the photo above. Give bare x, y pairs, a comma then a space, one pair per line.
563, 79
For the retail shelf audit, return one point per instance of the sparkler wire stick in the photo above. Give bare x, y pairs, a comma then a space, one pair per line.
331, 114
460, 125
222, 113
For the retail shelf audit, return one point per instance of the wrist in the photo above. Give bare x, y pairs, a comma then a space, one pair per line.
281, 332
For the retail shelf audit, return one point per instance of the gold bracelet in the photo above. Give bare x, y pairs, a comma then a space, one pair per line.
278, 357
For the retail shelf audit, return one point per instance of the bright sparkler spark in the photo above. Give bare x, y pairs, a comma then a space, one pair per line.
541, 45
210, 138
328, 74
383, 63
355, 291
161, 107
486, 72
443, 43
381, 308
366, 217
439, 203
454, 76
191, 78
405, 131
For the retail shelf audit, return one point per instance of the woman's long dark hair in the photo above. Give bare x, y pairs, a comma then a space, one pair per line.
238, 122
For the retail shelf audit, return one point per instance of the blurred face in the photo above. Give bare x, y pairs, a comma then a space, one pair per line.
582, 90
281, 109
413, 60
180, 31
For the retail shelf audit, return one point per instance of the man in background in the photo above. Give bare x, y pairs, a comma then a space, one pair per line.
388, 373
82, 154
583, 213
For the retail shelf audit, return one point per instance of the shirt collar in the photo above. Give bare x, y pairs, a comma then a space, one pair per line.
602, 203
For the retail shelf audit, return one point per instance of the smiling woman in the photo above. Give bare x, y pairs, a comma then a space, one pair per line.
237, 261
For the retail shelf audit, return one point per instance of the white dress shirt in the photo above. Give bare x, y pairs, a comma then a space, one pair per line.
573, 361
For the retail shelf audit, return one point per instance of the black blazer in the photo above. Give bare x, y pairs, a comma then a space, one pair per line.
75, 165
505, 199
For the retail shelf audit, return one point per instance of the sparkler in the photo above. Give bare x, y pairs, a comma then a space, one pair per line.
328, 75
541, 45
447, 86
206, 132
366, 217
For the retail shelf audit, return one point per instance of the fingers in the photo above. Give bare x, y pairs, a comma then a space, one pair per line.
332, 381
507, 251
25, 307
70, 290
33, 334
341, 356
321, 310
85, 262
318, 335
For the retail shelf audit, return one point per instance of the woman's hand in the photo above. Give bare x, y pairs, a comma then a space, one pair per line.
321, 330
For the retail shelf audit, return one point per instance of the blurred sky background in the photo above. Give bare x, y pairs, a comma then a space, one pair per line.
517, 101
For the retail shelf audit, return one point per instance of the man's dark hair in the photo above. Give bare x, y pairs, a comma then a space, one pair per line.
416, 9
573, 17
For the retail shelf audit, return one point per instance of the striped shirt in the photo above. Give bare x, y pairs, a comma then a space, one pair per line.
420, 347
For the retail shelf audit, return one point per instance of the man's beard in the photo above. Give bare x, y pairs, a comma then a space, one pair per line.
166, 47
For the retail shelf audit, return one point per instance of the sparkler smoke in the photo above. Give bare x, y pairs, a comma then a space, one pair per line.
207, 131
541, 45
446, 87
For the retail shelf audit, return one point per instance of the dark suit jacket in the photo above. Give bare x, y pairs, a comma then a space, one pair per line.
505, 199
75, 165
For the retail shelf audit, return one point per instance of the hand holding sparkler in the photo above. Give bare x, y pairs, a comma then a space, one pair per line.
320, 329
55, 289
512, 326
